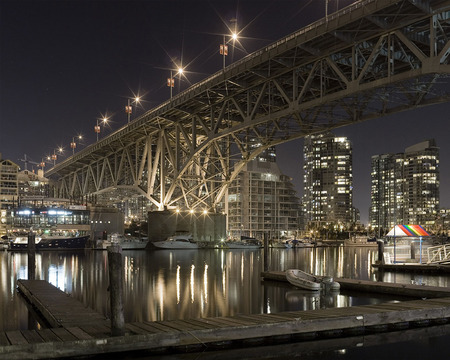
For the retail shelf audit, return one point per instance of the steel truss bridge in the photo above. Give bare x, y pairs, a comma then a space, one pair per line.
368, 60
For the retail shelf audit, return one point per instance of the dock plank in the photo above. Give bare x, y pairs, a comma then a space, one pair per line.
79, 333
58, 308
3, 339
49, 336
63, 334
16, 338
32, 336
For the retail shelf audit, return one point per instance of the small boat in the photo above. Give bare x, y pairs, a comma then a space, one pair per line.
177, 242
310, 282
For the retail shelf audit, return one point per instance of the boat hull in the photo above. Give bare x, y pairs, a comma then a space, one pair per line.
241, 245
175, 244
310, 282
73, 243
302, 280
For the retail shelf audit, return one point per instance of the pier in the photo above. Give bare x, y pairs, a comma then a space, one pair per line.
80, 331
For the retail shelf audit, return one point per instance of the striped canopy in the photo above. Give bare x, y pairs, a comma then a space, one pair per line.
407, 230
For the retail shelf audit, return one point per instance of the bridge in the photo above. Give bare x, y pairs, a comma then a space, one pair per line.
368, 60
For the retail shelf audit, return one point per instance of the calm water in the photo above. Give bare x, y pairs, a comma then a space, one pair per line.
179, 284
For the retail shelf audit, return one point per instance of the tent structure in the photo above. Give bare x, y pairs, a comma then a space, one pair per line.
407, 230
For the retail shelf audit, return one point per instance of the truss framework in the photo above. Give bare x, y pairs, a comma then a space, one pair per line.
369, 60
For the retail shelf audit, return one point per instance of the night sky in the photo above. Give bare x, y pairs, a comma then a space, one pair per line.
64, 64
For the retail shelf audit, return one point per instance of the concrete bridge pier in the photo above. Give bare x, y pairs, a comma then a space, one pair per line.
205, 228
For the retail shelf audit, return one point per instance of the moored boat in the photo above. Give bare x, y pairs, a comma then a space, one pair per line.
53, 242
125, 242
311, 282
177, 242
245, 243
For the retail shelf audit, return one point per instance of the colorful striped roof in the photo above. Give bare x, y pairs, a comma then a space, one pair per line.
408, 230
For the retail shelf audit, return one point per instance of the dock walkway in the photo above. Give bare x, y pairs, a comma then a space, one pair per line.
69, 339
417, 291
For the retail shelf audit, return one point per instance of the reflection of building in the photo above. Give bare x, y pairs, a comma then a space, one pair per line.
405, 187
328, 180
9, 190
262, 200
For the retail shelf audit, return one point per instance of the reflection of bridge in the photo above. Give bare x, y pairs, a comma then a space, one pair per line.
368, 60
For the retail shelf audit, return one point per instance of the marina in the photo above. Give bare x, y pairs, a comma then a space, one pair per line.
216, 324
80, 331
284, 197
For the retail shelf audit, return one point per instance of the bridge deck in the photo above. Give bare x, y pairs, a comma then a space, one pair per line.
212, 333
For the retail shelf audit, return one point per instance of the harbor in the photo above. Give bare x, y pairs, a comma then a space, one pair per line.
181, 300
83, 334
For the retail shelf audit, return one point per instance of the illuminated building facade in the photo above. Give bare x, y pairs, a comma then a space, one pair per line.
261, 200
387, 186
9, 191
405, 187
328, 182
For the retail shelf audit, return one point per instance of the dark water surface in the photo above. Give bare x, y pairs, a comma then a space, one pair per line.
180, 284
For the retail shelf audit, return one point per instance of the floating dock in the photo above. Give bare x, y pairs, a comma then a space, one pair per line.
74, 335
411, 267
411, 290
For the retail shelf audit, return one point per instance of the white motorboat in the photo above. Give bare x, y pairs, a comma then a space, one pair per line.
310, 282
177, 242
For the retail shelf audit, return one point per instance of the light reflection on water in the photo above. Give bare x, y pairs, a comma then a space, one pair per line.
180, 284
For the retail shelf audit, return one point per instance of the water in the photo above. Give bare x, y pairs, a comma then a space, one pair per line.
180, 284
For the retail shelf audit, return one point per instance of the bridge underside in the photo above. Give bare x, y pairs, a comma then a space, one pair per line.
369, 60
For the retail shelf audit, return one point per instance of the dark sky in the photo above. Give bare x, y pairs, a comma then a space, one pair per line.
65, 63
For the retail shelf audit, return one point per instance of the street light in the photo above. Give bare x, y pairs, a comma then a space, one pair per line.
171, 80
223, 49
97, 127
54, 156
129, 107
73, 144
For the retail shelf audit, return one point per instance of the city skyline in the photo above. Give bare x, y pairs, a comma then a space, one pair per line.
65, 65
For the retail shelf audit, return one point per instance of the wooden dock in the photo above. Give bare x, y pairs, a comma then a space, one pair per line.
411, 290
75, 337
414, 268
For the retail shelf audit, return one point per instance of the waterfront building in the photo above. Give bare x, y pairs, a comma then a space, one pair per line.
405, 187
9, 191
328, 183
262, 200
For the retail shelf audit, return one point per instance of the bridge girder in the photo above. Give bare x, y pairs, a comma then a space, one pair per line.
369, 60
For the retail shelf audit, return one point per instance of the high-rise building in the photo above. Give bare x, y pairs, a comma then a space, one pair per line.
387, 205
405, 187
261, 200
328, 183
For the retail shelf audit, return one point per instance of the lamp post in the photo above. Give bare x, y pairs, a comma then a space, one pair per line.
223, 49
129, 107
73, 144
54, 157
171, 80
97, 127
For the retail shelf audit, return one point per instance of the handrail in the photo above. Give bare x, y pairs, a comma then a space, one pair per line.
438, 254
